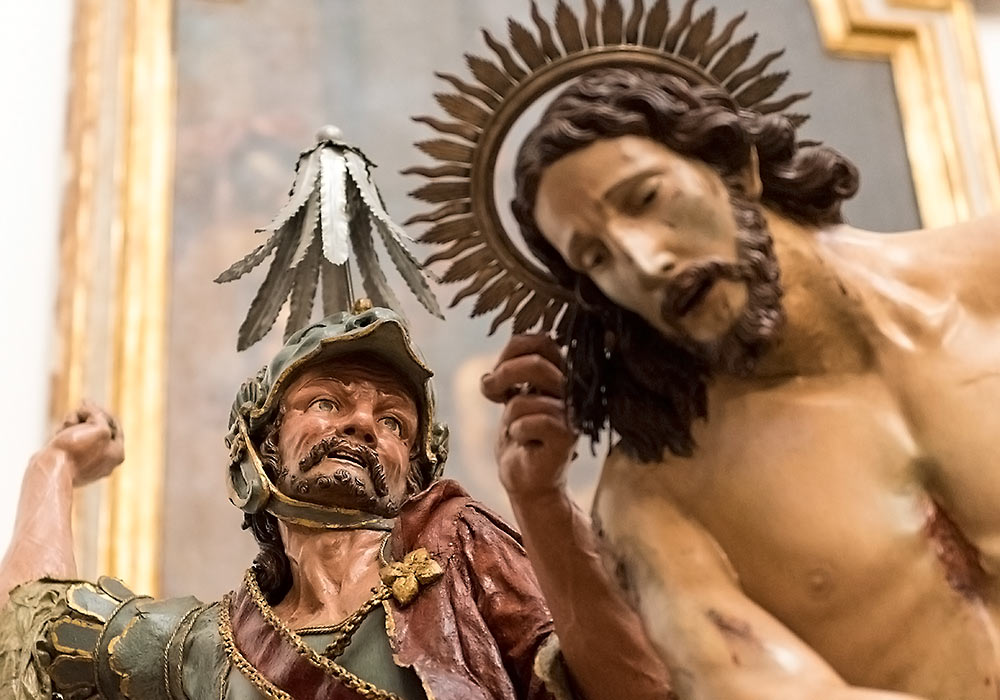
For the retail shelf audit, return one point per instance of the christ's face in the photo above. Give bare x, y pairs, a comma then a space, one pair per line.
346, 437
654, 230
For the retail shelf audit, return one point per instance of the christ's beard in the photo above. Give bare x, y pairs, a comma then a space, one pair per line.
750, 335
340, 487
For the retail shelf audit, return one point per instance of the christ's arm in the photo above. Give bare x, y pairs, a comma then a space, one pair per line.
600, 636
688, 613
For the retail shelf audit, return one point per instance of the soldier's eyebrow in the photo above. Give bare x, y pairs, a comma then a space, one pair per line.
394, 394
315, 380
319, 381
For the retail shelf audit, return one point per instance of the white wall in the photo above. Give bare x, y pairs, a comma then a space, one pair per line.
34, 65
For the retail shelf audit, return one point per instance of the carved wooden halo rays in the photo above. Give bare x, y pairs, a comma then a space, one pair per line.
481, 254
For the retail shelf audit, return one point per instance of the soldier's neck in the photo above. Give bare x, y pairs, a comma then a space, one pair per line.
826, 328
333, 572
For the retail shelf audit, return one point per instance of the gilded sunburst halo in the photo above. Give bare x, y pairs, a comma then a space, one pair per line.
481, 110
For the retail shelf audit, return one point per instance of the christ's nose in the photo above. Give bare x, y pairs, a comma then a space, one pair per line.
644, 249
650, 263
658, 264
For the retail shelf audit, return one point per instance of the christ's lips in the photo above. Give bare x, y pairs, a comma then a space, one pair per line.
347, 451
688, 288
691, 295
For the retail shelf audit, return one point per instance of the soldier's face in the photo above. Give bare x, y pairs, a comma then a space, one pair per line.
652, 229
346, 437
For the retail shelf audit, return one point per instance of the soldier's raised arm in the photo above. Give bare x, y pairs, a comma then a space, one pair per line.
87, 447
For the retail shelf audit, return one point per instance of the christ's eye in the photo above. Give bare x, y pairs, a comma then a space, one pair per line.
324, 405
593, 256
392, 424
647, 194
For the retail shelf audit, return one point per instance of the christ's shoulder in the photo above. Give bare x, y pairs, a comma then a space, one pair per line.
958, 263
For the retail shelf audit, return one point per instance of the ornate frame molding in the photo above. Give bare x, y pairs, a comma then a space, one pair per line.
114, 255
949, 133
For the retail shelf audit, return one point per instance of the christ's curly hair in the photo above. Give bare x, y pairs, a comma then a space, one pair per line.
647, 388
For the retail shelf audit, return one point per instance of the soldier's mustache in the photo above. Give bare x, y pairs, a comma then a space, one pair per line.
348, 450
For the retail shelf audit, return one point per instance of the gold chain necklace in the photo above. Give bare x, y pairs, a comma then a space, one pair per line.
401, 580
350, 625
350, 680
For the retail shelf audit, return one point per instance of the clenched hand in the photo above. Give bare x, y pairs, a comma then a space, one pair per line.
536, 440
91, 441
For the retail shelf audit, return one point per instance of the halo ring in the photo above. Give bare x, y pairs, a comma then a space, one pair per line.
523, 96
482, 255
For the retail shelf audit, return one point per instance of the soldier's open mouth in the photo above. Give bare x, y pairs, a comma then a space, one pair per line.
345, 457
372, 467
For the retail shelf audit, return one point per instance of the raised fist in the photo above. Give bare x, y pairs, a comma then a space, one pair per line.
91, 441
536, 442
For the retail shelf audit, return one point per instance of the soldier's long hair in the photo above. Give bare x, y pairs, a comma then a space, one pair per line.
271, 565
622, 372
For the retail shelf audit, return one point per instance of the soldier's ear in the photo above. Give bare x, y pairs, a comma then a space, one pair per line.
750, 177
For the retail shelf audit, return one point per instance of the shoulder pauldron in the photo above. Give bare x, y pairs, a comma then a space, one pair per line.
103, 641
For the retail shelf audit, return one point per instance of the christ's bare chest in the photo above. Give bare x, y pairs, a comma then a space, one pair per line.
822, 475
855, 509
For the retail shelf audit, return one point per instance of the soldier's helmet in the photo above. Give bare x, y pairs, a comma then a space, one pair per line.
368, 331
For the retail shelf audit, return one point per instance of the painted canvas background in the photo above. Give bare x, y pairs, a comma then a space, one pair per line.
256, 78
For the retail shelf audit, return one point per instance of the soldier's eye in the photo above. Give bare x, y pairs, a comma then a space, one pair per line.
324, 405
392, 424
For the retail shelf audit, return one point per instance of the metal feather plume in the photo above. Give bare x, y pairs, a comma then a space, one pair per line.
332, 211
